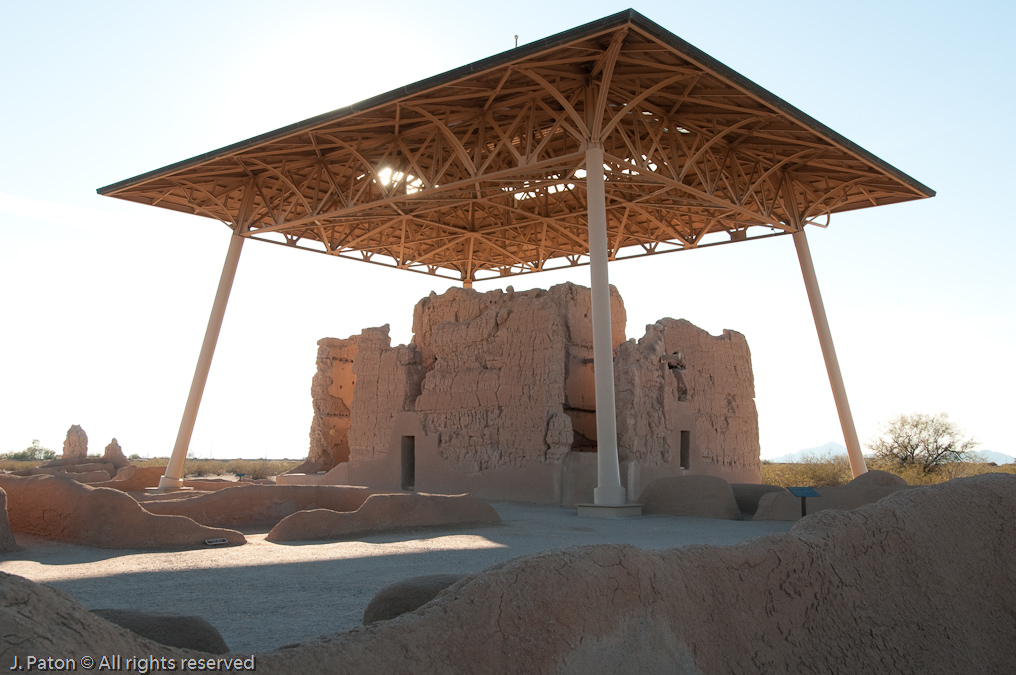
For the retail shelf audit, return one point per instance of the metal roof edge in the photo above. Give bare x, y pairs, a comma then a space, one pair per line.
629, 16
599, 25
694, 53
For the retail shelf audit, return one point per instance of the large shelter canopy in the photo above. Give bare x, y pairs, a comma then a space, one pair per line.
478, 172
611, 140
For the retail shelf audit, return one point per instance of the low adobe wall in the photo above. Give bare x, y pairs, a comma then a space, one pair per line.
867, 488
258, 505
902, 586
386, 513
68, 511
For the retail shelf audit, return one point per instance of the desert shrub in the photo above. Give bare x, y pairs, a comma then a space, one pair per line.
151, 461
915, 474
18, 464
256, 469
812, 471
826, 472
203, 467
33, 453
924, 442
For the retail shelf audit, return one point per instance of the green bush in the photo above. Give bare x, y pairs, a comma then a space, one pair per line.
34, 452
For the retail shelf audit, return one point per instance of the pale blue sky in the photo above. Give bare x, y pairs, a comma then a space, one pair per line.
104, 302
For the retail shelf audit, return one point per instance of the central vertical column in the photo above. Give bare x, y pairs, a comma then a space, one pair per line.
608, 491
173, 479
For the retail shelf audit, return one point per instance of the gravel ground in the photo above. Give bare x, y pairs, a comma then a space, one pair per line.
263, 595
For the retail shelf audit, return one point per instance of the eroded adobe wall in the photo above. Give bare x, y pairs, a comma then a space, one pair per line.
504, 380
76, 442
677, 378
331, 393
645, 394
503, 370
387, 383
721, 392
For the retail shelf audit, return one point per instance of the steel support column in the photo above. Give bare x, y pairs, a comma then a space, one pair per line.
609, 491
173, 479
825, 339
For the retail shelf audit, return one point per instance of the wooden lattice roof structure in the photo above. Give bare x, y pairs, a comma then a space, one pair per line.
478, 172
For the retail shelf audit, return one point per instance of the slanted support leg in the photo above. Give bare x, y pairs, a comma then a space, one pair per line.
173, 479
609, 491
825, 339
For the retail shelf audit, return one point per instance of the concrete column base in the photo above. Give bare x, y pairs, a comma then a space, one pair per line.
609, 495
167, 484
598, 511
167, 491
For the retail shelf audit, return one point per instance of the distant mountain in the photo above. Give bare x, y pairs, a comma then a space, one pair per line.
830, 449
996, 457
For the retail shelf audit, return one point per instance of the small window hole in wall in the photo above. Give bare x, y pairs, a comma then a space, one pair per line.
675, 364
685, 449
409, 463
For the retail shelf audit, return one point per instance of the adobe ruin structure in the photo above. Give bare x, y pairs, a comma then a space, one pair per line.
495, 397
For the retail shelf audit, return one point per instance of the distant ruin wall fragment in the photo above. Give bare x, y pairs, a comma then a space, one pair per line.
76, 442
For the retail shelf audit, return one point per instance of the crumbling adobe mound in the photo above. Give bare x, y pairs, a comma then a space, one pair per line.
7, 543
700, 496
78, 514
174, 630
88, 477
114, 455
384, 513
406, 595
856, 493
748, 496
76, 442
135, 478
81, 469
36, 619
902, 586
878, 478
815, 600
259, 505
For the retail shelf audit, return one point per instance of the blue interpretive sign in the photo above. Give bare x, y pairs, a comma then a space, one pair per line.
803, 493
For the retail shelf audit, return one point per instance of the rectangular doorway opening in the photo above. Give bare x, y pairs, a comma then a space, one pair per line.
685, 449
409, 463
